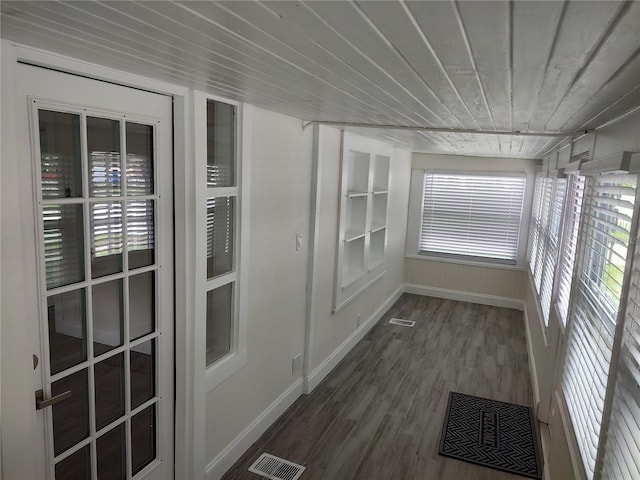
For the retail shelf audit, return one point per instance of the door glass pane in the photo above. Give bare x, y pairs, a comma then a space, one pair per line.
142, 304
106, 239
219, 235
108, 316
60, 157
143, 438
109, 389
111, 454
139, 159
63, 244
71, 416
103, 144
141, 233
142, 373
75, 466
66, 315
220, 144
219, 315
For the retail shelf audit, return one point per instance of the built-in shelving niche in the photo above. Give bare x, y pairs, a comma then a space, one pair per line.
362, 236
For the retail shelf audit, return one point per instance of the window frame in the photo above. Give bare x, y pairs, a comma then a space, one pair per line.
225, 366
414, 230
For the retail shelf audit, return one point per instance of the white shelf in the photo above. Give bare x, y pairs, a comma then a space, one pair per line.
380, 192
350, 277
376, 264
375, 227
355, 193
350, 236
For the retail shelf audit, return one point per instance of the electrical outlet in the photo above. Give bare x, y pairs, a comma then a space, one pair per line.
296, 365
358, 319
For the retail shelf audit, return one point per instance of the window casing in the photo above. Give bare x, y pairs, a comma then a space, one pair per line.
546, 220
472, 216
593, 316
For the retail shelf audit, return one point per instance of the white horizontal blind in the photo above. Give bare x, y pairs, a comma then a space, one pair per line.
551, 236
622, 449
472, 215
536, 224
607, 211
570, 242
545, 212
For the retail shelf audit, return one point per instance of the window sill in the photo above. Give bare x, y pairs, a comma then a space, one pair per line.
487, 264
224, 368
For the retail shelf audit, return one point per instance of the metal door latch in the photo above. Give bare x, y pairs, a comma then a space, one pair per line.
41, 402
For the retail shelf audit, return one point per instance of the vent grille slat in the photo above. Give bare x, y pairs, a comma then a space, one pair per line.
274, 468
402, 323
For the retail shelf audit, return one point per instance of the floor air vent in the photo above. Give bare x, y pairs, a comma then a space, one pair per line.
402, 323
276, 468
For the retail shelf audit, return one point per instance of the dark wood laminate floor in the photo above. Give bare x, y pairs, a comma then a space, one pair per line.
379, 413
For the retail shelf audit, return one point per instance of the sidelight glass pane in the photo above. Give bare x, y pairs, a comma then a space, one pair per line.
219, 321
143, 438
142, 304
103, 145
111, 454
75, 466
220, 144
106, 239
67, 321
220, 213
63, 244
141, 233
109, 389
142, 362
60, 157
108, 317
71, 416
139, 159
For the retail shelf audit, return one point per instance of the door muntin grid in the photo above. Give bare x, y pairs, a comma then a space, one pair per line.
105, 301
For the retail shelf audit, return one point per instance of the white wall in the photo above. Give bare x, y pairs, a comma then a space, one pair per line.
280, 196
331, 331
475, 281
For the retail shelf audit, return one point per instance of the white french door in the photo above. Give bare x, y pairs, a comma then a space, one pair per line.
102, 277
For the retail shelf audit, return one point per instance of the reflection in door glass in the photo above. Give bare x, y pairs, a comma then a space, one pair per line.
63, 244
142, 304
66, 314
111, 456
140, 233
139, 159
60, 157
142, 373
108, 317
143, 438
109, 389
219, 235
71, 416
219, 314
220, 144
106, 239
103, 145
75, 466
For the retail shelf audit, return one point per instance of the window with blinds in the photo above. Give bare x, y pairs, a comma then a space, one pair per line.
546, 220
569, 242
622, 448
472, 215
607, 211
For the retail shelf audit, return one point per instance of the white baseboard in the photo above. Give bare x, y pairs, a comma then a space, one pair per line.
480, 298
532, 363
322, 370
230, 455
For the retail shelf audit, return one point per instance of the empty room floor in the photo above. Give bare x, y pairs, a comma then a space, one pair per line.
379, 413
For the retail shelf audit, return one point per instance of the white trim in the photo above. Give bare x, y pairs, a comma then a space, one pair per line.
230, 455
321, 371
481, 298
460, 261
532, 363
543, 327
574, 452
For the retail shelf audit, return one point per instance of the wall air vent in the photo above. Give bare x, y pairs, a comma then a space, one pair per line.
402, 323
275, 468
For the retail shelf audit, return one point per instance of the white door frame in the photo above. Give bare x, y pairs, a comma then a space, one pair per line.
189, 455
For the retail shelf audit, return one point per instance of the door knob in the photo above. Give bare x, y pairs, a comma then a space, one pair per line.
41, 402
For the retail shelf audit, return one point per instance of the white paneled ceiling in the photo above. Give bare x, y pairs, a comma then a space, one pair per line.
543, 66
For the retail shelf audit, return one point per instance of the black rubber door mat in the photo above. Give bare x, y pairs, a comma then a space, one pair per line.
490, 433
